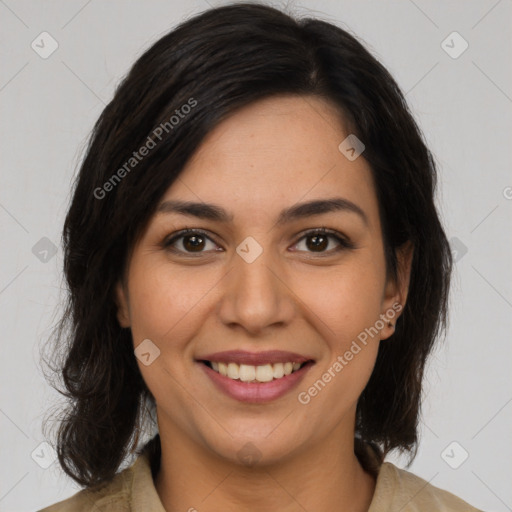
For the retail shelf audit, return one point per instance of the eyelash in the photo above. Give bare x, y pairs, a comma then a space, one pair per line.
344, 243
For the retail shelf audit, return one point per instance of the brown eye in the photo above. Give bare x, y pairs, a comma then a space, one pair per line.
189, 242
318, 241
193, 242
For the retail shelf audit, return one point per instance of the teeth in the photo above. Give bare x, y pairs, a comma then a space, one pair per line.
278, 370
223, 369
233, 371
246, 372
250, 373
264, 373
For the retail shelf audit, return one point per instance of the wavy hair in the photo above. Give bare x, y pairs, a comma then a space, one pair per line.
217, 62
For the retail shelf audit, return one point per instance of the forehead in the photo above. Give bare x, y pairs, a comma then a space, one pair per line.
273, 153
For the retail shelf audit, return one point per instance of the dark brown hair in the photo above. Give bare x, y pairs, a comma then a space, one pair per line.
215, 63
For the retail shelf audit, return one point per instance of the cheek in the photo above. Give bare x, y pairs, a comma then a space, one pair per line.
164, 299
346, 318
345, 303
346, 299
165, 304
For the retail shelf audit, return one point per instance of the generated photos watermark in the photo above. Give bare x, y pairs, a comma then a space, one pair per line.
304, 397
137, 156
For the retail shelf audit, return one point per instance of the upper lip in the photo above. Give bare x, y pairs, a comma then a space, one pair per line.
255, 358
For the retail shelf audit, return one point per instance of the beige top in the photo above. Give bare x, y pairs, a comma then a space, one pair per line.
133, 490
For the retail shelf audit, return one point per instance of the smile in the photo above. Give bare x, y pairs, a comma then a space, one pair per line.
254, 377
252, 374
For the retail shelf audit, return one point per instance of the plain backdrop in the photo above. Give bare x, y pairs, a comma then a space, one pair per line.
462, 99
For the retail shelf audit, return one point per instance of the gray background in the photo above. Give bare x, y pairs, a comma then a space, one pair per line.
463, 104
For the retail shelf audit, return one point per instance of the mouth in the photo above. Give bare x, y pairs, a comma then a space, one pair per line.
255, 377
253, 374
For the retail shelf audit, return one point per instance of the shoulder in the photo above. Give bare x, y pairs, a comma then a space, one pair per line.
398, 489
115, 496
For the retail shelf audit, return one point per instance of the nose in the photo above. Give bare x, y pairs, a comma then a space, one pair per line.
256, 295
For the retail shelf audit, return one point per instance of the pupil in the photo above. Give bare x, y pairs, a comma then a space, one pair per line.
315, 244
193, 241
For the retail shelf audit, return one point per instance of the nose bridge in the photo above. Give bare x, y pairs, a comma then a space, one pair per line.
255, 296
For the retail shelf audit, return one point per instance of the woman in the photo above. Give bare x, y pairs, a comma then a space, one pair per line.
253, 252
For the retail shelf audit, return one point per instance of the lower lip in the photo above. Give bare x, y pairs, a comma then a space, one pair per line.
256, 392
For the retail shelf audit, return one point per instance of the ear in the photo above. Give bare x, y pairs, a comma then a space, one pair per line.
396, 291
123, 310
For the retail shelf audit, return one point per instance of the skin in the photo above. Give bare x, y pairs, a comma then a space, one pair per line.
268, 156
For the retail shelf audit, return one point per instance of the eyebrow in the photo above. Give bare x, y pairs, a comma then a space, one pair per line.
299, 211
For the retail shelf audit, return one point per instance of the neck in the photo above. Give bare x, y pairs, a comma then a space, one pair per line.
321, 478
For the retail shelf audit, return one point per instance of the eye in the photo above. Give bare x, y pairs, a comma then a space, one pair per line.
195, 241
319, 241
189, 241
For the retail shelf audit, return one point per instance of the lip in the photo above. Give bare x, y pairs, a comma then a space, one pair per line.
256, 392
255, 358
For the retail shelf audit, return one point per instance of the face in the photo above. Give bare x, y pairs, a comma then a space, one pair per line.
255, 276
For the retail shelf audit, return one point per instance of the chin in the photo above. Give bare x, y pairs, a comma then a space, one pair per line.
252, 450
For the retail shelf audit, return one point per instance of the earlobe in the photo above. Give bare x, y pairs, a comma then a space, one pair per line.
123, 315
